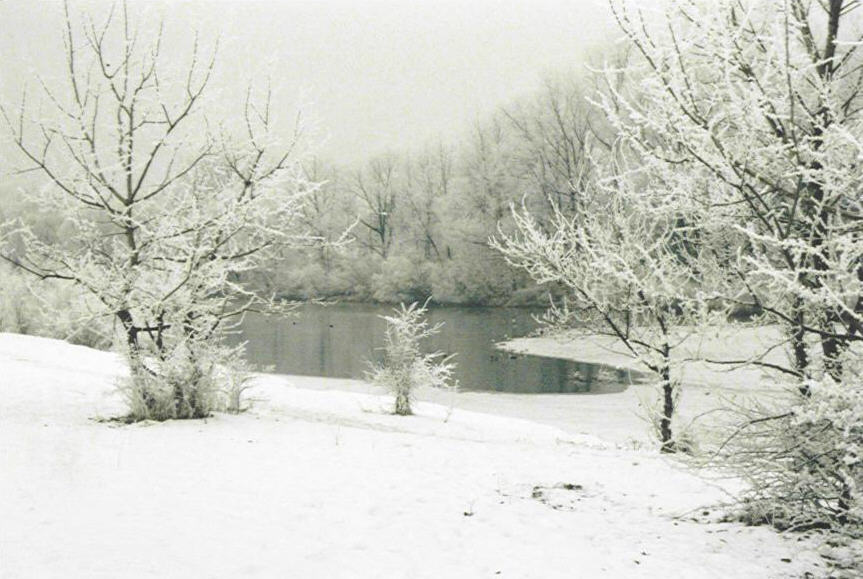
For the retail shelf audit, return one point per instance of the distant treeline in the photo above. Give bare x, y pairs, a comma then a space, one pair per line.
415, 225
419, 223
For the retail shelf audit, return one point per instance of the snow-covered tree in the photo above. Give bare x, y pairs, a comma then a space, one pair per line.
752, 109
554, 135
428, 178
763, 99
406, 367
165, 206
631, 270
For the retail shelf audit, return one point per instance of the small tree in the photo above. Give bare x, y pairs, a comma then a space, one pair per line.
405, 368
630, 269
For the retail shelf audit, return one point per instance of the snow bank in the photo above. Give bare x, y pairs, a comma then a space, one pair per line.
315, 483
725, 343
707, 388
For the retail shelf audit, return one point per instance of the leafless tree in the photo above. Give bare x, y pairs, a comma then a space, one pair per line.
376, 187
428, 179
167, 210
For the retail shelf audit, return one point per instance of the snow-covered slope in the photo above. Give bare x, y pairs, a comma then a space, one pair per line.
323, 483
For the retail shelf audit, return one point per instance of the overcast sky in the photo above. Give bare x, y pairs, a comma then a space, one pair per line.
376, 74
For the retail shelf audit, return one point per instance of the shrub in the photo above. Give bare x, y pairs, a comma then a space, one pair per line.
804, 464
402, 278
475, 278
18, 306
405, 367
237, 379
192, 381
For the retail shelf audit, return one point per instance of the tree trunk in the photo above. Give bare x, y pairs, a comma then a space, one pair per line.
403, 402
125, 317
798, 346
665, 432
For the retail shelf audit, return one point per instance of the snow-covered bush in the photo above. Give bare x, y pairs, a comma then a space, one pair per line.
18, 311
182, 385
475, 277
194, 380
405, 367
803, 461
234, 379
402, 278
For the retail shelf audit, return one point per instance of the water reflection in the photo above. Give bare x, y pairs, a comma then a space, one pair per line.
337, 341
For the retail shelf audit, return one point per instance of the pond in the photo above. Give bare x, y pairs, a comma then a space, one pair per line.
337, 341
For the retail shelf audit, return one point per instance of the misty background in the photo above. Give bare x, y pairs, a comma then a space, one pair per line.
422, 121
375, 75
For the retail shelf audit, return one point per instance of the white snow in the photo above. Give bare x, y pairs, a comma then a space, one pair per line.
706, 388
724, 343
318, 481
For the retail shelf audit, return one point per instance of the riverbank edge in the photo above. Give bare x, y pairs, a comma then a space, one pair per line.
694, 346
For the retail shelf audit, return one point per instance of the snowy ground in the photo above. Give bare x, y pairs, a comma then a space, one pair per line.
706, 387
317, 481
725, 343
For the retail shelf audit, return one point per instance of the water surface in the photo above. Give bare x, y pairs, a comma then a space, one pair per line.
338, 341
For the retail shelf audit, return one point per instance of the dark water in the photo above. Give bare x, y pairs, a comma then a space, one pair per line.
337, 341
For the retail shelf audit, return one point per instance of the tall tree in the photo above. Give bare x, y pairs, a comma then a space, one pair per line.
376, 187
764, 100
753, 111
554, 136
428, 179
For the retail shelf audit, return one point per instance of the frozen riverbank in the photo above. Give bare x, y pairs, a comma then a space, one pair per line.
727, 343
706, 387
